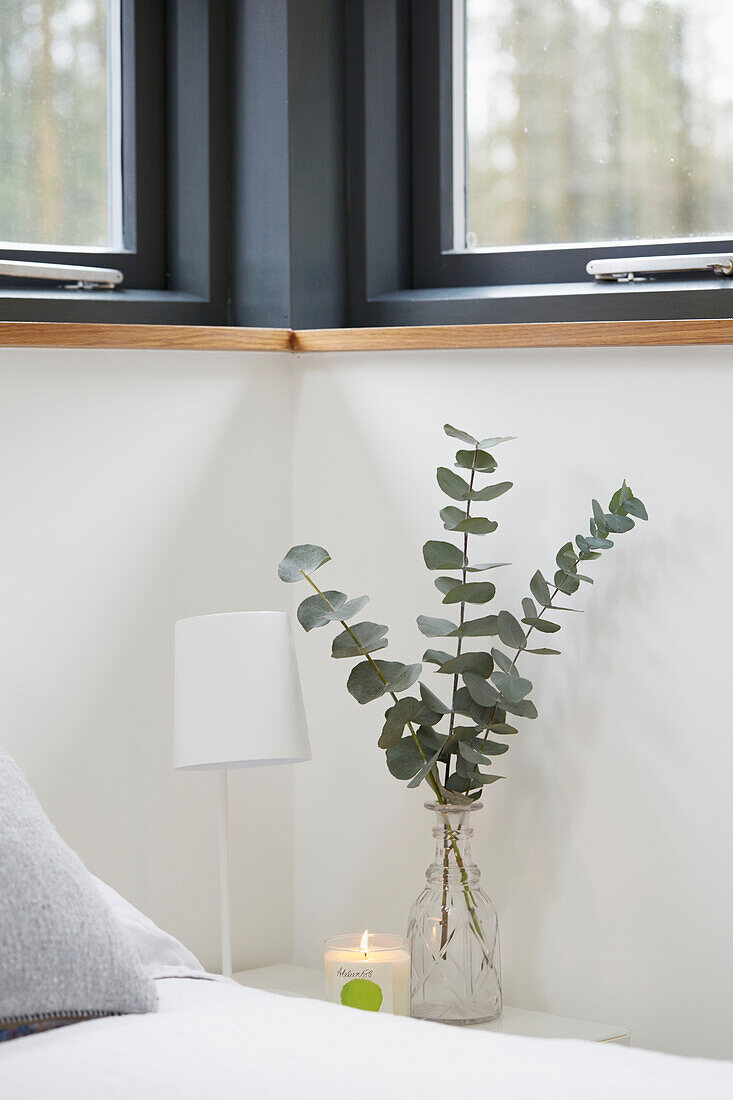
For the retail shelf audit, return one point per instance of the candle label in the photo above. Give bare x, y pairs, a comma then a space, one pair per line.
365, 985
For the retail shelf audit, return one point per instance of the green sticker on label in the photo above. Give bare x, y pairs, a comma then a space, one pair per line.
361, 993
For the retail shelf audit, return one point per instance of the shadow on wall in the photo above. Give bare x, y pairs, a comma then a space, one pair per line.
141, 487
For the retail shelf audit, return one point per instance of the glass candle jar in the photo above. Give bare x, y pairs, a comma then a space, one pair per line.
369, 971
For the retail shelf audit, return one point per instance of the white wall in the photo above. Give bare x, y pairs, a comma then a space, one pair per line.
608, 851
137, 488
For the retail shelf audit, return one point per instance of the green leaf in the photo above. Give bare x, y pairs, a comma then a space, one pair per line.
523, 709
598, 514
455, 519
300, 560
396, 718
404, 759
619, 498
435, 628
545, 652
442, 555
429, 739
481, 461
491, 492
455, 433
453, 485
599, 544
486, 780
478, 756
494, 441
502, 729
542, 625
424, 770
486, 565
529, 607
481, 663
540, 589
370, 637
635, 507
365, 684
436, 657
505, 663
566, 583
444, 584
512, 688
485, 627
480, 690
431, 700
473, 592
456, 784
314, 610
618, 524
510, 631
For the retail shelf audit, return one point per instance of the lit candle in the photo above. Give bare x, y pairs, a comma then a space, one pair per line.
370, 971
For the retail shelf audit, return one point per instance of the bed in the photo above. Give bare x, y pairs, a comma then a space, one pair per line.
216, 1039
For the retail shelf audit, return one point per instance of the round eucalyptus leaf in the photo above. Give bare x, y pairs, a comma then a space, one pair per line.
481, 461
523, 709
451, 515
505, 663
365, 683
618, 524
463, 733
635, 508
432, 701
529, 607
370, 637
435, 628
480, 690
491, 492
545, 652
442, 555
494, 441
485, 627
502, 729
598, 514
513, 688
314, 611
444, 584
396, 718
510, 631
599, 544
566, 583
480, 663
486, 565
436, 657
476, 525
424, 770
404, 759
540, 589
543, 625
456, 433
300, 560
473, 592
452, 484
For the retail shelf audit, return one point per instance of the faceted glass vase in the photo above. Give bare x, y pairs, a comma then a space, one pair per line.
453, 930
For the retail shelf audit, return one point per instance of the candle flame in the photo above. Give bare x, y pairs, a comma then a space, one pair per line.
364, 946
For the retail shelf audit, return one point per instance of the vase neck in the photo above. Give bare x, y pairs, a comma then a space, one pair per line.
453, 829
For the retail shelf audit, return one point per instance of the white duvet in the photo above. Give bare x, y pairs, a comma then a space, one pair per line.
217, 1040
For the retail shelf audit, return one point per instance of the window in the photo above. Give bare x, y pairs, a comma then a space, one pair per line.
593, 121
506, 143
60, 124
111, 156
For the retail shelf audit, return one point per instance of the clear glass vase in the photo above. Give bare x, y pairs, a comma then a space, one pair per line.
454, 931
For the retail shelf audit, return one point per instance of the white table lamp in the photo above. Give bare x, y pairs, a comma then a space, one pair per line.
238, 704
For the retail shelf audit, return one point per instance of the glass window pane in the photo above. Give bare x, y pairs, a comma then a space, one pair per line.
60, 91
598, 120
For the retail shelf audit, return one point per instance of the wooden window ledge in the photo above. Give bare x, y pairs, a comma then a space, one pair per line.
40, 334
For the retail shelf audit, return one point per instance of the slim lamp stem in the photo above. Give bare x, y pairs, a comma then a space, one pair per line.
226, 927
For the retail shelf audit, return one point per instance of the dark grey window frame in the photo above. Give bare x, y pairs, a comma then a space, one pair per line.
403, 267
175, 74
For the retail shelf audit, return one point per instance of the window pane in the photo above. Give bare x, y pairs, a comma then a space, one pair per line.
598, 120
60, 161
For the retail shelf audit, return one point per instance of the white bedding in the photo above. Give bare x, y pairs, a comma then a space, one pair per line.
216, 1040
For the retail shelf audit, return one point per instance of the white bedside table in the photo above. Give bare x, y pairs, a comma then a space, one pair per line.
299, 981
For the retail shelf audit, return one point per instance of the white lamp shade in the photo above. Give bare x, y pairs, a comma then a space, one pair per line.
238, 701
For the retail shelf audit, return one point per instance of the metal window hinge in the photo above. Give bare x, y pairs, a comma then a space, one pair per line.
628, 268
72, 276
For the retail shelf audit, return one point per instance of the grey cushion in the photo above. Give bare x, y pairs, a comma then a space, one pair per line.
63, 955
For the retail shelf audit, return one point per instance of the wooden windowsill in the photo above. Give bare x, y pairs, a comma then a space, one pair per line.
39, 334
